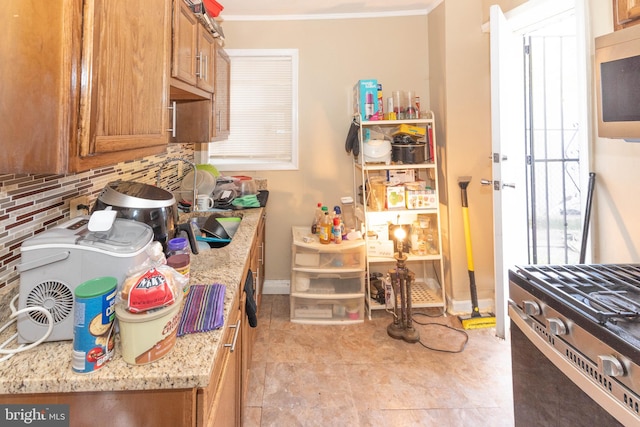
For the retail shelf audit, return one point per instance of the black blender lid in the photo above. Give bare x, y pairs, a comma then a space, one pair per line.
130, 194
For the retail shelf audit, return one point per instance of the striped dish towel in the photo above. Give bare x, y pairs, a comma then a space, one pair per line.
203, 310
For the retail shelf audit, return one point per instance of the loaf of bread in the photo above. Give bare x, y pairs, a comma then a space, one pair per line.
149, 289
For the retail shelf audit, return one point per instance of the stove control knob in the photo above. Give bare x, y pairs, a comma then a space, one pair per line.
531, 308
610, 366
556, 326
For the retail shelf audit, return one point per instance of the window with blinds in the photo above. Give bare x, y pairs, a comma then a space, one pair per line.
263, 112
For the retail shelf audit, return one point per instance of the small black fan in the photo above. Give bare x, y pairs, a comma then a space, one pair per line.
56, 297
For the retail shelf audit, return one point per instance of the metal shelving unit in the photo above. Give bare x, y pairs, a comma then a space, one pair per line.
428, 289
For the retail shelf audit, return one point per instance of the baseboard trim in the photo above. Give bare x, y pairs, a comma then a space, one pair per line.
455, 307
277, 287
459, 307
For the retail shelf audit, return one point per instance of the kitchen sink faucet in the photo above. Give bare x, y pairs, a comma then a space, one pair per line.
195, 174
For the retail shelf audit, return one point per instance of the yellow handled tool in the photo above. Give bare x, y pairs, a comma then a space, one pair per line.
476, 320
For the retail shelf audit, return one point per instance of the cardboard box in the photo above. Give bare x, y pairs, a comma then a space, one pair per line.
395, 197
421, 199
400, 176
365, 99
416, 131
379, 231
380, 248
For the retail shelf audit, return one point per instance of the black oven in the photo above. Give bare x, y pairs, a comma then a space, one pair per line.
575, 340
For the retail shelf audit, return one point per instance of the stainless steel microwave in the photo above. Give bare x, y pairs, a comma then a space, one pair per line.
617, 70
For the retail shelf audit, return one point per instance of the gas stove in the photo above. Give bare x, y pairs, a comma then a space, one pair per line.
585, 319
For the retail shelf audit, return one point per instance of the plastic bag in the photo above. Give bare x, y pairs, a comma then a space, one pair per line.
151, 285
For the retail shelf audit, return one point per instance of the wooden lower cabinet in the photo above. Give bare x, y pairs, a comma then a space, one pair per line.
119, 408
220, 404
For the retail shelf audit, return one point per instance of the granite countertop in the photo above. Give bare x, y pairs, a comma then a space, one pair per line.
47, 367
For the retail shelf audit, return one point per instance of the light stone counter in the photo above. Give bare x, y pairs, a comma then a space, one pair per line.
47, 367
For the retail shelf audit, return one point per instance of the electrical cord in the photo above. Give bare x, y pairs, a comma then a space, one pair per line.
13, 318
460, 331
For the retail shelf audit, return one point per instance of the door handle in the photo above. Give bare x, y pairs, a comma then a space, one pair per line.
496, 157
496, 184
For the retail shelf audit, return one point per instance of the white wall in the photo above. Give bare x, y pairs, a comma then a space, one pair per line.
616, 231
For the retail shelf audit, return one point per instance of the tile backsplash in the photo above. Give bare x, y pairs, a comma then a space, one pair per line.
29, 204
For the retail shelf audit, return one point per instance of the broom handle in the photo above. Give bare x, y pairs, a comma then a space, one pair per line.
475, 310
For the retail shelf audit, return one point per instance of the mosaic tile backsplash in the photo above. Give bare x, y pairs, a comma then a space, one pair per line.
30, 204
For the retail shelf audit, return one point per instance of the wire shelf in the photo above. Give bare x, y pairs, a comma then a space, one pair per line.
422, 296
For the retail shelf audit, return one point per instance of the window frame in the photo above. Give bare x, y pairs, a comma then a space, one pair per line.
247, 164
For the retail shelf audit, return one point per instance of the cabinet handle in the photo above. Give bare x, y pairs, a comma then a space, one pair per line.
199, 70
205, 68
232, 346
173, 119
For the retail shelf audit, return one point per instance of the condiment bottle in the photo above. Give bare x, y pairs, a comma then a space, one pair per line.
317, 217
337, 230
179, 257
325, 228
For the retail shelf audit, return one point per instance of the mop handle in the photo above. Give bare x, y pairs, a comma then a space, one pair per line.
467, 238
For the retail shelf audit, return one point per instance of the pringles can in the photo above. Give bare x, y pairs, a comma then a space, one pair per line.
93, 324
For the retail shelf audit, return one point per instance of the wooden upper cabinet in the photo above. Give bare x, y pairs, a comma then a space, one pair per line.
84, 84
185, 43
39, 50
625, 13
206, 59
192, 55
221, 96
125, 81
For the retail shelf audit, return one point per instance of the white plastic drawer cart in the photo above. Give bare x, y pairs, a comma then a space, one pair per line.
327, 280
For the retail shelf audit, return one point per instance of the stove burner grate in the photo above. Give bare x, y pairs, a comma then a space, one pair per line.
607, 292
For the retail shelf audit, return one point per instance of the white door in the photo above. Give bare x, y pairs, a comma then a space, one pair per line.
508, 154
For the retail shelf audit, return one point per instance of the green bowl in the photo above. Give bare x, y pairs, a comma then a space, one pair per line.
209, 168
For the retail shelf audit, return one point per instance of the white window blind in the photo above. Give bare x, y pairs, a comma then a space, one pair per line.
263, 112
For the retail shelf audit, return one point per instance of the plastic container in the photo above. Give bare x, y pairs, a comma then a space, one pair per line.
179, 257
149, 336
212, 7
348, 213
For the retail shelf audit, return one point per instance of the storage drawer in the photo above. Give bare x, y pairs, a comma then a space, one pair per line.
327, 311
335, 256
333, 283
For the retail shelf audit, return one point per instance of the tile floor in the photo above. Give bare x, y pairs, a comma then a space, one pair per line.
356, 375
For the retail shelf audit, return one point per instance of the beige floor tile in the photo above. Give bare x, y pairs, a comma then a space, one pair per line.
357, 375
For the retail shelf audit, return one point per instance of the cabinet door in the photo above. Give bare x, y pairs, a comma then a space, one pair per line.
124, 81
226, 406
221, 98
185, 43
38, 46
625, 13
205, 59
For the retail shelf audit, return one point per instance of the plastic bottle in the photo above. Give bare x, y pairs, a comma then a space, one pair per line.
179, 257
317, 217
343, 228
337, 230
325, 228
